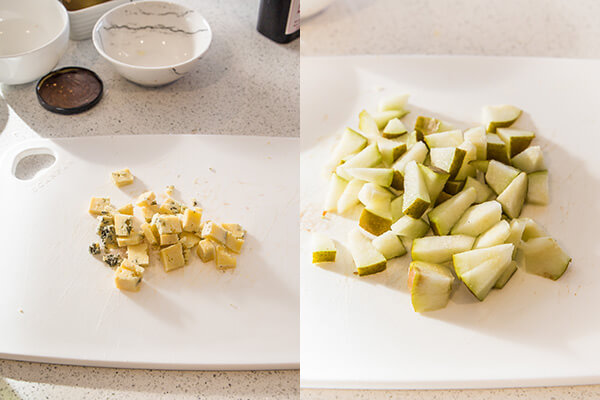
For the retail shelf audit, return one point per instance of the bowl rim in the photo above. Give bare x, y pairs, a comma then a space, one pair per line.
90, 9
100, 50
65, 27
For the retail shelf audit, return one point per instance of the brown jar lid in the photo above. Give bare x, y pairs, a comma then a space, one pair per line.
69, 90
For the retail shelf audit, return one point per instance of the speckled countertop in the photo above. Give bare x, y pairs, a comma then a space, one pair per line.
245, 85
544, 28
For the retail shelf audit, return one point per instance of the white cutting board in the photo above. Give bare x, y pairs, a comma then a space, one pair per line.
59, 304
362, 332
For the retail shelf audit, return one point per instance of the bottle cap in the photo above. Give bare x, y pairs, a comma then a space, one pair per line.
69, 90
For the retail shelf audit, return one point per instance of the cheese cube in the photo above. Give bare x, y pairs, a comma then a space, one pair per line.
122, 177
123, 224
206, 250
148, 212
186, 255
167, 224
192, 219
99, 205
172, 257
171, 206
138, 254
225, 259
168, 238
134, 239
169, 190
104, 220
128, 276
214, 232
126, 209
149, 234
235, 229
234, 243
107, 234
147, 199
188, 240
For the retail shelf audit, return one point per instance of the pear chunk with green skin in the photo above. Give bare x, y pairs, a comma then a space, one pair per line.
383, 117
394, 103
374, 223
396, 208
506, 275
427, 125
390, 150
481, 165
513, 197
530, 160
394, 129
478, 137
499, 116
499, 176
430, 286
478, 219
337, 186
443, 217
442, 198
416, 196
453, 187
397, 181
531, 230
367, 124
494, 236
351, 142
373, 196
323, 249
435, 180
517, 226
368, 157
349, 197
480, 269
366, 258
483, 191
516, 140
467, 169
418, 152
410, 228
412, 138
444, 139
537, 188
544, 257
497, 149
439, 249
379, 176
389, 245
448, 159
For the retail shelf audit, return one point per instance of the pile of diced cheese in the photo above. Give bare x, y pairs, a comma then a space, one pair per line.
171, 227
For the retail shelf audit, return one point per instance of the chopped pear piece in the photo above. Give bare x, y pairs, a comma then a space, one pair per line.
448, 159
430, 286
435, 180
494, 236
206, 250
499, 116
497, 149
416, 196
537, 187
349, 197
374, 196
172, 257
397, 181
443, 217
513, 197
530, 160
466, 169
506, 275
396, 208
531, 230
368, 157
478, 137
383, 117
444, 139
390, 150
499, 176
334, 192
517, 226
483, 191
544, 257
367, 124
366, 258
442, 198
379, 176
394, 103
413, 137
394, 129
453, 187
481, 165
480, 269
351, 142
516, 140
389, 245
478, 219
122, 177
427, 125
323, 249
410, 228
373, 223
439, 249
417, 153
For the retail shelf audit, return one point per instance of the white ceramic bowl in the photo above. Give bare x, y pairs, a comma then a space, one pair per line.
34, 34
152, 43
83, 21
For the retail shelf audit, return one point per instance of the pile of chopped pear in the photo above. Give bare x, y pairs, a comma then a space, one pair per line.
171, 228
453, 197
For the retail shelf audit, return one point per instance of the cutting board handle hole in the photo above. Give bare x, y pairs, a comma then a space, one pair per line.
30, 163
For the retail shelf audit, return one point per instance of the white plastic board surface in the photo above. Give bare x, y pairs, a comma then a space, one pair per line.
362, 332
59, 304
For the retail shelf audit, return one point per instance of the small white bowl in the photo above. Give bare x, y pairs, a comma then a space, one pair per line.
152, 43
83, 21
34, 34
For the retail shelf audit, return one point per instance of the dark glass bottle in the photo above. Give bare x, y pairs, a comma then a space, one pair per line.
279, 20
